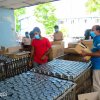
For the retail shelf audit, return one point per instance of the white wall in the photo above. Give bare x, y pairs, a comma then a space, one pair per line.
7, 28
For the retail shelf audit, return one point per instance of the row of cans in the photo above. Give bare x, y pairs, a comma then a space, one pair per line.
63, 68
5, 58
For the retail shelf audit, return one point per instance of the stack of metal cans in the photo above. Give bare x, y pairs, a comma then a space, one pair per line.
10, 67
4, 58
75, 71
33, 86
63, 69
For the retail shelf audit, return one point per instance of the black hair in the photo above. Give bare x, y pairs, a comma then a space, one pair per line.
36, 29
97, 27
87, 34
31, 34
26, 32
56, 26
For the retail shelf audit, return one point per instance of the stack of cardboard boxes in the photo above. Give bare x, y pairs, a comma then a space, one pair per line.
57, 50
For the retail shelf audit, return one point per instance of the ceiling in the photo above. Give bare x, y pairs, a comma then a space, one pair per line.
14, 4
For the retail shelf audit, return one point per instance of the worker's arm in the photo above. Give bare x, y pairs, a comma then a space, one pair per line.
61, 36
46, 53
31, 56
92, 54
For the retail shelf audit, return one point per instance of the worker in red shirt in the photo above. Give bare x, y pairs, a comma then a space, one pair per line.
40, 49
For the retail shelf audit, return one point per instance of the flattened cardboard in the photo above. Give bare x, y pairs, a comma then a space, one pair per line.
89, 96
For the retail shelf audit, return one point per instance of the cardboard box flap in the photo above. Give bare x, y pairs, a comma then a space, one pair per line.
88, 43
22, 53
89, 96
72, 45
14, 49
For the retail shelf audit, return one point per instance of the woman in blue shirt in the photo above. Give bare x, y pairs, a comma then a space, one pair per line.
95, 57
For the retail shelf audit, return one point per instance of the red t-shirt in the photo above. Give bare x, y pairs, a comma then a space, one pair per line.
40, 48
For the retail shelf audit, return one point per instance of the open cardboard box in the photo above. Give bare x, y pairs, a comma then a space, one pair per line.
77, 49
14, 49
89, 96
18, 54
72, 44
88, 43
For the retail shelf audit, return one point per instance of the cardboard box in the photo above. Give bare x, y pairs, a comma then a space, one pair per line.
57, 43
89, 96
57, 51
73, 57
3, 51
18, 54
71, 45
78, 49
88, 43
14, 49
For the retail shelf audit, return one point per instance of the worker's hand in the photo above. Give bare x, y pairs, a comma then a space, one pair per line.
84, 53
30, 63
80, 40
43, 57
85, 60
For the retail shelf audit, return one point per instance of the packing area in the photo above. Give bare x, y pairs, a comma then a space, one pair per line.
64, 77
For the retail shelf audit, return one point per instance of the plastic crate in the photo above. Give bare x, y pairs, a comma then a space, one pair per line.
33, 86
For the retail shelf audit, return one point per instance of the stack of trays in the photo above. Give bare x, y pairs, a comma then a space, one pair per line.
33, 86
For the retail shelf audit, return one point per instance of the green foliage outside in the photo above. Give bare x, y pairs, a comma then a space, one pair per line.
93, 5
17, 13
45, 14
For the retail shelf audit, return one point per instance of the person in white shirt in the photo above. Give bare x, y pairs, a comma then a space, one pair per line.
58, 35
26, 42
